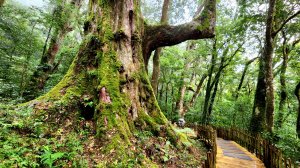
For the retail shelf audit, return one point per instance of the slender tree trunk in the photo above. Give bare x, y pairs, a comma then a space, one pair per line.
243, 76
297, 93
283, 91
180, 103
213, 96
156, 65
215, 83
173, 100
161, 92
166, 98
46, 41
208, 84
198, 89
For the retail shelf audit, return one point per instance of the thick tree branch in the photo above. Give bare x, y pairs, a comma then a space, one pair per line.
284, 23
167, 35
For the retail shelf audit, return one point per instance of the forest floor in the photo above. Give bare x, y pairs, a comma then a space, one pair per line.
232, 155
27, 141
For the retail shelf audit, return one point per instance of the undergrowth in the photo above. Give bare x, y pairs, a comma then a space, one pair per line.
30, 141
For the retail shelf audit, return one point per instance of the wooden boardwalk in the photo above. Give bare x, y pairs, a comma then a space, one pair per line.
232, 155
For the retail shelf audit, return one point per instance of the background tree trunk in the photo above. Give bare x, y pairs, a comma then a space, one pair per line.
243, 76
47, 65
268, 59
297, 93
283, 91
156, 65
208, 84
198, 89
263, 109
1, 2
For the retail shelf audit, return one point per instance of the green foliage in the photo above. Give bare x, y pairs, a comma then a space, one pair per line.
25, 141
48, 157
21, 42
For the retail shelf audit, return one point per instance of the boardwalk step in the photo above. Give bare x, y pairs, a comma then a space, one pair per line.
232, 155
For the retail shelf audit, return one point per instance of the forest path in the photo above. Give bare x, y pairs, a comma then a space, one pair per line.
232, 155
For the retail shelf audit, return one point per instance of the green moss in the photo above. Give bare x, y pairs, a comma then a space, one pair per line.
184, 139
67, 81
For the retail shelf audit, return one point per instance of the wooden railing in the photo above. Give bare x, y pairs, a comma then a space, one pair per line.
208, 136
263, 149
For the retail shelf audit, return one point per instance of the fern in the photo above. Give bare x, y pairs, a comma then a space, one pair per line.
48, 158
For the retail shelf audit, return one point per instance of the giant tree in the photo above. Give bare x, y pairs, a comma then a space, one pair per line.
109, 71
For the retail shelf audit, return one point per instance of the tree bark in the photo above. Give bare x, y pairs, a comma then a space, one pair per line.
208, 84
283, 91
180, 105
263, 110
47, 65
257, 122
297, 93
156, 65
198, 89
268, 59
109, 71
2, 3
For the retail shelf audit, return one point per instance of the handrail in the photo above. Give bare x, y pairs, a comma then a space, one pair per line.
209, 137
263, 149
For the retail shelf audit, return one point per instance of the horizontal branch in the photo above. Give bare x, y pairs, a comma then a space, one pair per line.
167, 35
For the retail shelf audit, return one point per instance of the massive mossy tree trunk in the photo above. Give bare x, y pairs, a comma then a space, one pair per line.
109, 71
47, 65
